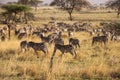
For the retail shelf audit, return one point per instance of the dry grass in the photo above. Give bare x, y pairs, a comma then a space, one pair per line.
92, 62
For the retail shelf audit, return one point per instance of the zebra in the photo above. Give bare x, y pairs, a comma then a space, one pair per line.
38, 47
59, 41
74, 42
70, 33
24, 46
100, 39
55, 35
36, 33
46, 39
3, 38
64, 49
21, 35
115, 38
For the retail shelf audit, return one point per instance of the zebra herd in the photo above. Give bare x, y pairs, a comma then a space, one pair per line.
52, 33
56, 30
58, 45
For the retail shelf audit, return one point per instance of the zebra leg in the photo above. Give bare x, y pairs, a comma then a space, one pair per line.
75, 54
51, 60
92, 43
36, 54
71, 52
78, 45
44, 51
26, 49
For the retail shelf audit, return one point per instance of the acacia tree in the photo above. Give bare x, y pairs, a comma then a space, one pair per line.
24, 2
114, 4
12, 10
30, 2
70, 5
35, 3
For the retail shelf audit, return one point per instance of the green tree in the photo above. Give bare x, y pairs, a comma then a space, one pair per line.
24, 2
35, 3
30, 2
114, 4
12, 10
70, 5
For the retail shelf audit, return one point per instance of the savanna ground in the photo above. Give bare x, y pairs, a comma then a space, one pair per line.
92, 62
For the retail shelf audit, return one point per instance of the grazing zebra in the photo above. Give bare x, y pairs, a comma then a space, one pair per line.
46, 39
23, 46
115, 38
100, 39
3, 38
59, 41
36, 33
21, 35
74, 42
55, 35
38, 47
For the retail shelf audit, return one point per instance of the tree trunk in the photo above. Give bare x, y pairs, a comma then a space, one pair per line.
70, 13
9, 31
70, 16
118, 14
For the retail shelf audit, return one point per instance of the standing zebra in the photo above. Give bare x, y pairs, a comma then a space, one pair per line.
74, 42
59, 41
63, 49
23, 46
46, 39
38, 47
99, 39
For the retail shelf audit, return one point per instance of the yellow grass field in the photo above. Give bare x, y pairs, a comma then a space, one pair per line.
92, 62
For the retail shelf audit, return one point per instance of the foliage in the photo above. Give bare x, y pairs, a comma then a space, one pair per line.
114, 4
24, 2
70, 5
30, 2
15, 8
35, 3
12, 10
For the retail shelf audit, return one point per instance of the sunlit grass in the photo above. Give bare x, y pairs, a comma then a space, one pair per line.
92, 62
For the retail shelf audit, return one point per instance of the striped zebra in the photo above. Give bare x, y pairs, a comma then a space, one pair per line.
23, 46
38, 47
63, 49
100, 39
46, 39
74, 42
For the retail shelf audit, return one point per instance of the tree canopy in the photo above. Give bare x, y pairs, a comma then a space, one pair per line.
114, 4
11, 11
15, 8
30, 2
70, 5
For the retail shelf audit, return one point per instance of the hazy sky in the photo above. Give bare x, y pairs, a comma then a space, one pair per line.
48, 1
